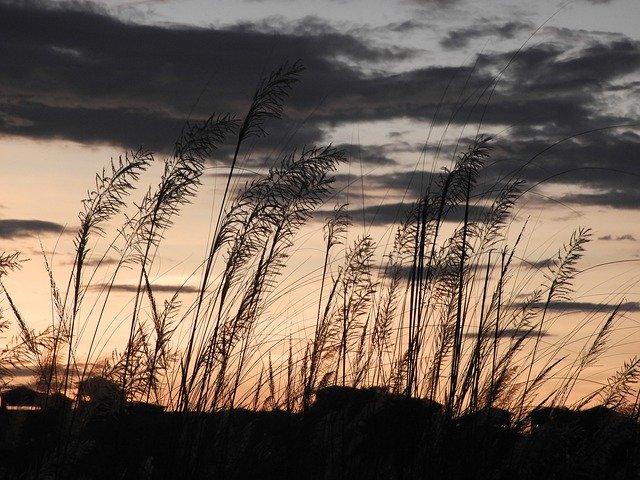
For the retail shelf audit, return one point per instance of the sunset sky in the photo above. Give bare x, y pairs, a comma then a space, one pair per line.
82, 82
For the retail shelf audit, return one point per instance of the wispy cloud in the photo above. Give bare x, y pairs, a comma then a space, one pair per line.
13, 228
437, 3
626, 236
130, 288
462, 37
589, 307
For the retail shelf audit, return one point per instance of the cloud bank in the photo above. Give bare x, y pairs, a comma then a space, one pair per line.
74, 72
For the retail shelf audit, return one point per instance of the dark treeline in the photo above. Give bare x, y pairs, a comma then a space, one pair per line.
345, 433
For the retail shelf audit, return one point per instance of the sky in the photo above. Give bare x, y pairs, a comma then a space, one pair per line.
555, 83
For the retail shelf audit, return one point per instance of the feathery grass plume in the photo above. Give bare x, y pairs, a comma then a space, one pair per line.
289, 394
180, 179
130, 366
178, 185
561, 276
11, 354
29, 349
385, 306
298, 187
335, 229
494, 221
99, 206
164, 326
454, 188
587, 357
564, 267
6, 355
620, 386
448, 299
475, 161
446, 303
502, 369
271, 402
10, 262
361, 361
268, 99
491, 394
268, 102
491, 327
354, 294
258, 390
618, 392
51, 383
262, 222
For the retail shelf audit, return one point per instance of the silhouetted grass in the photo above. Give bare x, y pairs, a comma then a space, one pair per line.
433, 354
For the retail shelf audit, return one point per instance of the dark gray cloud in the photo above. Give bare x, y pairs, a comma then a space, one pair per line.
381, 214
626, 236
12, 228
77, 73
405, 26
589, 307
437, 3
98, 262
617, 198
386, 213
508, 333
130, 288
369, 154
462, 37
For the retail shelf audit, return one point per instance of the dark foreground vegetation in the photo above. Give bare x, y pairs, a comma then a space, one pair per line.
425, 357
346, 433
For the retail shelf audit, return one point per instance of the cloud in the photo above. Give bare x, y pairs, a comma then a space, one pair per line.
80, 74
462, 37
97, 262
130, 288
369, 154
395, 212
589, 307
405, 26
12, 228
615, 197
437, 3
508, 333
627, 236
76, 73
